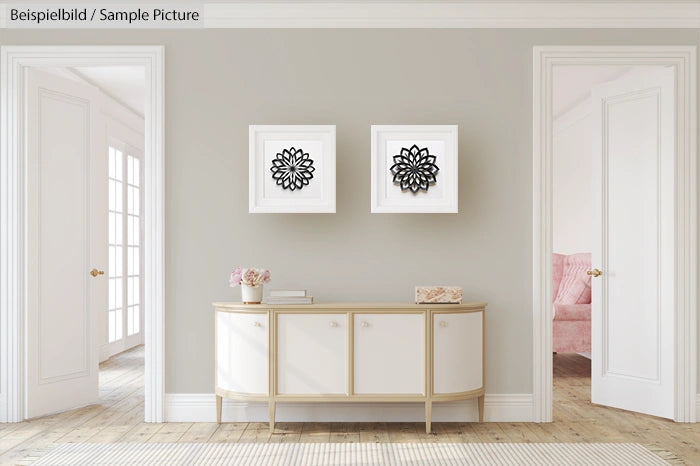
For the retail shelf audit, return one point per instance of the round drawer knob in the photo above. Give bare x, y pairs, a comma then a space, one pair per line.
257, 324
334, 324
443, 323
365, 323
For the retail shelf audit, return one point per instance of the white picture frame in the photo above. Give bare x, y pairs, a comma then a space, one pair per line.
440, 194
271, 191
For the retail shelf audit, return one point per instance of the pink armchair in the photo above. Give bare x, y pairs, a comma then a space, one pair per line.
571, 289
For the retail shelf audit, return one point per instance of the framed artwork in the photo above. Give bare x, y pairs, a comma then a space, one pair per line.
291, 169
414, 168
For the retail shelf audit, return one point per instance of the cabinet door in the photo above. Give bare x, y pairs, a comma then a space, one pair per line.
457, 352
389, 353
312, 354
242, 352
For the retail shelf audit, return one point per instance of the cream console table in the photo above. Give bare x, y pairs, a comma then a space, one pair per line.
358, 352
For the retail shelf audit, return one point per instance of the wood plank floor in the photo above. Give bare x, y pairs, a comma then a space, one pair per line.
119, 418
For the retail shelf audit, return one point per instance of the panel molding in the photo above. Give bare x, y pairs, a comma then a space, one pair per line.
14, 60
85, 107
683, 58
608, 104
201, 407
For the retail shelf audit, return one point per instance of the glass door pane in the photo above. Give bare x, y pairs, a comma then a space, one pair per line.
115, 244
124, 243
134, 246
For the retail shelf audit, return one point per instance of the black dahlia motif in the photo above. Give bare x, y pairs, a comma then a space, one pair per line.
292, 169
414, 169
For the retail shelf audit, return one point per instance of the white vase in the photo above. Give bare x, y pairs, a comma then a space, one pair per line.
251, 294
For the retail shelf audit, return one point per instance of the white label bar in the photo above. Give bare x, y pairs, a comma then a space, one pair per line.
355, 14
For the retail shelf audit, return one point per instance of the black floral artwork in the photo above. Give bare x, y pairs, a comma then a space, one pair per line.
292, 169
414, 169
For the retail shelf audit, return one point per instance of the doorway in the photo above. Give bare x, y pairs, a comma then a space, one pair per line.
85, 140
682, 335
613, 129
15, 310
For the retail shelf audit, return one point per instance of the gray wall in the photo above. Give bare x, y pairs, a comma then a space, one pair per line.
220, 81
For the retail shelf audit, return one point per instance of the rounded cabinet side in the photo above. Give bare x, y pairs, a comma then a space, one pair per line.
458, 345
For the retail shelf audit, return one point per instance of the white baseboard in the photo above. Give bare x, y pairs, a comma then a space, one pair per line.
201, 407
697, 407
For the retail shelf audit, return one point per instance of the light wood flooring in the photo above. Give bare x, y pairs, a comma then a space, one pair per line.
119, 418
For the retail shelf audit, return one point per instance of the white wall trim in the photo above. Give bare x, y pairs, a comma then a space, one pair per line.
457, 14
13, 61
201, 407
684, 59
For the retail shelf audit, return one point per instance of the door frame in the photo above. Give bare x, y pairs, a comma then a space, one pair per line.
683, 58
14, 61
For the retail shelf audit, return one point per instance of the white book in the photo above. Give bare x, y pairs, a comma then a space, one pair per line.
289, 300
287, 293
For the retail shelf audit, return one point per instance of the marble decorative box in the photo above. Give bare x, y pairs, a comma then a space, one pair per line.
439, 294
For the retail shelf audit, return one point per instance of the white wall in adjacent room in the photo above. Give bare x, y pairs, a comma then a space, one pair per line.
571, 189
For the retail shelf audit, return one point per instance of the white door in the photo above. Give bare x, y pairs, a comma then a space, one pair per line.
633, 243
312, 354
389, 354
66, 234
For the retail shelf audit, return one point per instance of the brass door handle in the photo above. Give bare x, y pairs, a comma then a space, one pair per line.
595, 273
95, 272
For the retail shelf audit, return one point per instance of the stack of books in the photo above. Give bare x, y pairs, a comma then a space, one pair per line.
288, 297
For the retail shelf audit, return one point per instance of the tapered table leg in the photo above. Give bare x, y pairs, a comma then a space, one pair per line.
218, 409
481, 408
272, 416
428, 415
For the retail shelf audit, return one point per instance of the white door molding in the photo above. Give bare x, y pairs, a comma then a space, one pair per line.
683, 58
13, 216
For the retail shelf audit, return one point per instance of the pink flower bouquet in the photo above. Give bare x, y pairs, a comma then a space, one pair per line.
249, 276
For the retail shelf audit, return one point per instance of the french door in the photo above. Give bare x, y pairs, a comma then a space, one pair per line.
125, 239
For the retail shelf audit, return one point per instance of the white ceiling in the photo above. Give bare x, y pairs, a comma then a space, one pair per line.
124, 83
572, 84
